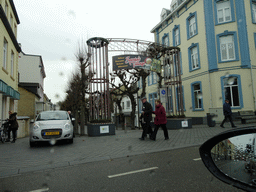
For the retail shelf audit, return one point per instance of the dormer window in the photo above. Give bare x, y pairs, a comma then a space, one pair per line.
164, 16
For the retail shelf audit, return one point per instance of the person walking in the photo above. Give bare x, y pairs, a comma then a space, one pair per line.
160, 120
13, 126
147, 117
227, 113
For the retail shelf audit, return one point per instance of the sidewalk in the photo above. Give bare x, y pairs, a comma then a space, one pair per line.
19, 158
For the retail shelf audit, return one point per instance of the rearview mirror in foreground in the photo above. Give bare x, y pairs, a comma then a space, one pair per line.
231, 157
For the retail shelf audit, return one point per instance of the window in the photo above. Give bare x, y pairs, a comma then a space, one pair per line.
255, 40
180, 98
194, 60
11, 21
227, 47
152, 78
232, 90
128, 104
253, 11
176, 70
139, 83
12, 64
152, 98
224, 11
192, 25
176, 35
5, 54
122, 105
170, 102
197, 97
6, 8
165, 39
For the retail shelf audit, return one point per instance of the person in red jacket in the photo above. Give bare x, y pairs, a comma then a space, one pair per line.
160, 120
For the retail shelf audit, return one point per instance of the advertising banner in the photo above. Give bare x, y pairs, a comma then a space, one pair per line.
135, 61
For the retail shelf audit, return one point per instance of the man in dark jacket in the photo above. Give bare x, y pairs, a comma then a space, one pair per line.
227, 113
147, 116
13, 126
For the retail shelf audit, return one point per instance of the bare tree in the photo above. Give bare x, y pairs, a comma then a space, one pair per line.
128, 79
83, 57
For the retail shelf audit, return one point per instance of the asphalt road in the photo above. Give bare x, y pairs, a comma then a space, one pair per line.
168, 171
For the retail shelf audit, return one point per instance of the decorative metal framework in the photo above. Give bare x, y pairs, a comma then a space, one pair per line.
99, 67
99, 81
172, 79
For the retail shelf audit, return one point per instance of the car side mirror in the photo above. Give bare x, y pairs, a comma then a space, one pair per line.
231, 157
73, 119
32, 120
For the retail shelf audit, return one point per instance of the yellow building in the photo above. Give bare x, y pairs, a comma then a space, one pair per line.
9, 53
217, 40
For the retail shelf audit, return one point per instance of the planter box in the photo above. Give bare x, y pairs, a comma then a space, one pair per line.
101, 129
179, 123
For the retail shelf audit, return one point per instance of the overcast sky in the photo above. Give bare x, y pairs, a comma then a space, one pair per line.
53, 29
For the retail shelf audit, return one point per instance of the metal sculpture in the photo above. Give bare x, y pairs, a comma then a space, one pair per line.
99, 96
99, 67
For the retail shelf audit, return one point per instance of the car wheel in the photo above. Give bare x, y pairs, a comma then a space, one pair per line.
32, 144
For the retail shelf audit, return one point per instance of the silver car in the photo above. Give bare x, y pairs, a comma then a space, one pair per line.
51, 126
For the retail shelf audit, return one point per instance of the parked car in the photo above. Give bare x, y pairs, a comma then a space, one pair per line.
51, 126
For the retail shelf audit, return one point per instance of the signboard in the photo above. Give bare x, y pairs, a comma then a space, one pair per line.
136, 61
163, 95
104, 129
184, 123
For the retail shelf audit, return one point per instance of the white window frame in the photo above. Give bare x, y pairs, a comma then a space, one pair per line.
165, 41
5, 50
230, 86
6, 9
177, 36
194, 58
225, 10
197, 100
12, 63
154, 78
128, 104
192, 26
254, 11
228, 48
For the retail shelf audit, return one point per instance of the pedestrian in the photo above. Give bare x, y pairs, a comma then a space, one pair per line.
227, 113
160, 120
72, 121
147, 117
13, 126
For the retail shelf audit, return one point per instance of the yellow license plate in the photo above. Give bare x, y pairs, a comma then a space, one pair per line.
52, 133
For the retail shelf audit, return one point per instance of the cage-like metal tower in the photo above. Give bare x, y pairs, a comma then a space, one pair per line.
99, 96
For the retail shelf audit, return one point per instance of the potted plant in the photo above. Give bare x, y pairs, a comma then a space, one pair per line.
100, 127
178, 122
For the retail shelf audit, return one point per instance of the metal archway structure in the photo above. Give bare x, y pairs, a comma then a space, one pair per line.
99, 48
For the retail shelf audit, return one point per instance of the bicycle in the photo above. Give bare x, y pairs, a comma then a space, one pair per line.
4, 131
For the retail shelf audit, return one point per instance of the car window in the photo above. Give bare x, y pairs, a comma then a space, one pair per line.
45, 116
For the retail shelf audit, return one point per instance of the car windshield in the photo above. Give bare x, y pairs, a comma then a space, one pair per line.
52, 115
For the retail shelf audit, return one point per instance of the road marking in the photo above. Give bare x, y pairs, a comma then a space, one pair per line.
40, 190
198, 159
131, 172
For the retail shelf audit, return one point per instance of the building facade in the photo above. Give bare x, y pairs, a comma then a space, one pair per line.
217, 39
9, 53
31, 78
